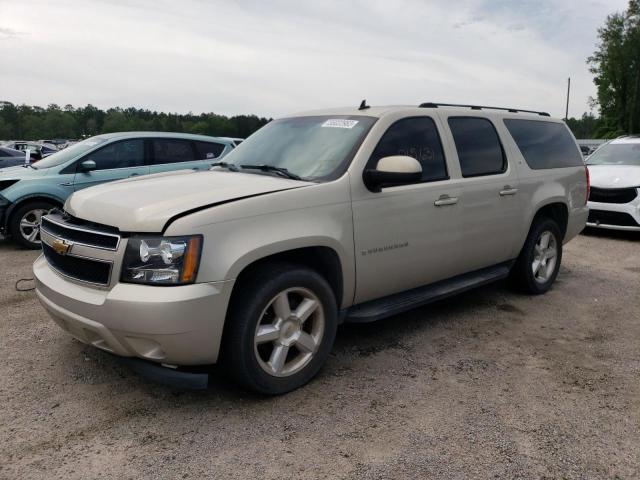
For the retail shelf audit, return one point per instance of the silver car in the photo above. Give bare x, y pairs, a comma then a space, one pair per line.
319, 218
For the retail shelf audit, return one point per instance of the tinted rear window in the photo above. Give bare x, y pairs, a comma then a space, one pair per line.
544, 144
479, 149
207, 150
172, 150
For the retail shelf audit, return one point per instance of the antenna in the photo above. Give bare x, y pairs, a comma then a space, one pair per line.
363, 105
566, 114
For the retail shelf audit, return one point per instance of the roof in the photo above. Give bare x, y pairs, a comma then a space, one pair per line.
189, 136
380, 111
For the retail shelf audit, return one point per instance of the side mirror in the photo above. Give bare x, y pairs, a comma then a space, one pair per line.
87, 166
392, 171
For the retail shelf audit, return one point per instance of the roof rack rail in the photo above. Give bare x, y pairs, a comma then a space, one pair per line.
481, 107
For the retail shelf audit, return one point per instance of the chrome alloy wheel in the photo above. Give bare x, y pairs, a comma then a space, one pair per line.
544, 257
289, 332
30, 224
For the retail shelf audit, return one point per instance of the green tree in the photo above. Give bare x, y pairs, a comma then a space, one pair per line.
35, 123
585, 127
616, 66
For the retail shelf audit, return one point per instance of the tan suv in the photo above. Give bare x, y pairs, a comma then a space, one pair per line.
345, 215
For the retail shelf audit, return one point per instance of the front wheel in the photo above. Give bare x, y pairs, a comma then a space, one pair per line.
24, 226
539, 262
280, 328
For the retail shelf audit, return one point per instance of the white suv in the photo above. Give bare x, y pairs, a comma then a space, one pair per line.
345, 215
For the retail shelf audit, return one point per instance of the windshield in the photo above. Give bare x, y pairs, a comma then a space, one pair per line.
616, 153
63, 156
314, 148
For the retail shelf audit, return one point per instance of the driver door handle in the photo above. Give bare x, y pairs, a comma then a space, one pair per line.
134, 175
508, 190
445, 200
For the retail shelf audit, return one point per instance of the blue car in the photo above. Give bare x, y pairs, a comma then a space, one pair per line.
30, 191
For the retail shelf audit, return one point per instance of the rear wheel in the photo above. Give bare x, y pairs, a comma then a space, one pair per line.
24, 225
539, 262
280, 328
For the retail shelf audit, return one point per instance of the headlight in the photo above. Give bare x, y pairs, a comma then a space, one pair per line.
162, 260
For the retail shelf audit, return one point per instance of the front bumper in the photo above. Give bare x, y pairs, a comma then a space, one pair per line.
4, 208
177, 325
615, 216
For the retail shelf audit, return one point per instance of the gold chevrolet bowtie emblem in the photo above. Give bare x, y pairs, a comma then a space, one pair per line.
61, 246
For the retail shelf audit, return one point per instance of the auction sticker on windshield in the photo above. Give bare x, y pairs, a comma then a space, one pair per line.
339, 123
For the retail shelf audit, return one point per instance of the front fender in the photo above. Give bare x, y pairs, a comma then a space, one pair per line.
231, 246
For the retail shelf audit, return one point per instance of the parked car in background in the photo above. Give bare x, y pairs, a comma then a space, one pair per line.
38, 150
59, 143
329, 216
614, 202
27, 193
10, 157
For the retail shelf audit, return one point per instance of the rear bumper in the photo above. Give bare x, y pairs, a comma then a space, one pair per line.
615, 216
179, 325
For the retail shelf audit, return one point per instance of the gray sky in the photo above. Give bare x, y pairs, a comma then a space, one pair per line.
273, 57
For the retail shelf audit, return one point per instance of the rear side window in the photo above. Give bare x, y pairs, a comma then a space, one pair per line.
172, 150
208, 150
416, 137
124, 154
479, 149
544, 144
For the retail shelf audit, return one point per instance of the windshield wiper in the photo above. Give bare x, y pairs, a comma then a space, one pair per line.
272, 168
228, 166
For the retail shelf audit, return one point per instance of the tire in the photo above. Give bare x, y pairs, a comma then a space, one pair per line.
30, 212
536, 267
267, 353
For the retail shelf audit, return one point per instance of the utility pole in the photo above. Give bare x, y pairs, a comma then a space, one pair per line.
566, 114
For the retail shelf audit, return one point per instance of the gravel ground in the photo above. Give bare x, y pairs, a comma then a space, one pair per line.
489, 384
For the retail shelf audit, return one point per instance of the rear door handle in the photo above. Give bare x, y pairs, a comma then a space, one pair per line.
134, 175
445, 200
508, 190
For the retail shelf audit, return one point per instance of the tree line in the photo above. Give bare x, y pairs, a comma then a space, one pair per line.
25, 122
34, 123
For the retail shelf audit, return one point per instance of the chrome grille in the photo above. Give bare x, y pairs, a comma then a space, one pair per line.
87, 270
80, 252
60, 227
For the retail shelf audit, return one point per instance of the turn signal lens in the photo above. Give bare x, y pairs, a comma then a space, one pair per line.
191, 260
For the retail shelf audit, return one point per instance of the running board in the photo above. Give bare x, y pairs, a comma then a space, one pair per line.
403, 301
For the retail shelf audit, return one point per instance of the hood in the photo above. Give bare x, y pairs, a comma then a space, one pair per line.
19, 172
146, 204
614, 176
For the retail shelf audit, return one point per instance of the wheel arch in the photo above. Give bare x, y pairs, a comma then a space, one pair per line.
557, 210
29, 198
321, 258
